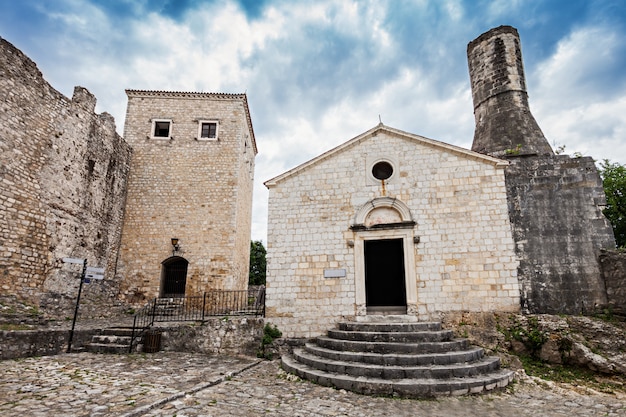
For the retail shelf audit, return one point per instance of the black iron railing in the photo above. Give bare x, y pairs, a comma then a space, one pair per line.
198, 308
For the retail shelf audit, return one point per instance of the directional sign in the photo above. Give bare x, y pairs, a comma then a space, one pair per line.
73, 261
95, 269
94, 276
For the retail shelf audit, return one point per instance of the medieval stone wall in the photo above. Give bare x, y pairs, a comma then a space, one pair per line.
555, 208
63, 170
613, 265
199, 191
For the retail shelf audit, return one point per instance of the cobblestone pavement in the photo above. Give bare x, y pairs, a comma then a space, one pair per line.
181, 384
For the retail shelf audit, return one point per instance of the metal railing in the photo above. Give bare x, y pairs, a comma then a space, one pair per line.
198, 308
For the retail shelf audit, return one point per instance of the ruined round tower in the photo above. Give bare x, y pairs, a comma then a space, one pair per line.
555, 201
504, 123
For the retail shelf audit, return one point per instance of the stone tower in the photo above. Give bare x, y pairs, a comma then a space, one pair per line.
189, 207
504, 124
555, 201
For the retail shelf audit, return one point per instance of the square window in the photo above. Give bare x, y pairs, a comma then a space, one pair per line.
207, 130
161, 129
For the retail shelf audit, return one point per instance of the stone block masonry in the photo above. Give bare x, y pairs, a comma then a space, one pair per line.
198, 190
63, 171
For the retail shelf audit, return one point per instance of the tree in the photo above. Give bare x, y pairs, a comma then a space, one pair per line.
614, 183
257, 263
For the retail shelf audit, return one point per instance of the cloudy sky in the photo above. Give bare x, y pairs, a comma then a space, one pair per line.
317, 73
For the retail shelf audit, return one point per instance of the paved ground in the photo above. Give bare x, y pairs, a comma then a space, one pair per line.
181, 384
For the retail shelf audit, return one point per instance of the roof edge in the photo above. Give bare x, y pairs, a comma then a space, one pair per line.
499, 163
199, 95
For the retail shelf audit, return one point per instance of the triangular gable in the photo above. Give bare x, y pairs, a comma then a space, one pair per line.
395, 132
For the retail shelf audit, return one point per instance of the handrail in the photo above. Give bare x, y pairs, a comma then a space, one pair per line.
249, 302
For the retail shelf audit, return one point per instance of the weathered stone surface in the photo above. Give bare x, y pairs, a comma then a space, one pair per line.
504, 124
228, 336
613, 266
63, 175
199, 191
555, 206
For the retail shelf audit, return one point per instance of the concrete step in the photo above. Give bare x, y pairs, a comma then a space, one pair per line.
405, 387
389, 327
401, 359
392, 347
461, 370
392, 336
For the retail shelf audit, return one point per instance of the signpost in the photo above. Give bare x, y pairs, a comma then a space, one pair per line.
88, 273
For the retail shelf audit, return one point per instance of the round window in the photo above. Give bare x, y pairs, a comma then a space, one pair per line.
382, 170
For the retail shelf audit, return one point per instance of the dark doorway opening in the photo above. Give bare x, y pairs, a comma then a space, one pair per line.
174, 277
385, 287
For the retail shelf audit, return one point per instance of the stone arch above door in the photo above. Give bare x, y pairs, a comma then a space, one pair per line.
383, 211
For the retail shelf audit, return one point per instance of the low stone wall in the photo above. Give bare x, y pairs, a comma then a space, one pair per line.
25, 343
613, 265
224, 335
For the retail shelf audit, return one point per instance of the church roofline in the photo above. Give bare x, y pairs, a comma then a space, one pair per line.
201, 95
397, 132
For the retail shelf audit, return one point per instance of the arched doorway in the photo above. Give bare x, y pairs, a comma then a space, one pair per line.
174, 277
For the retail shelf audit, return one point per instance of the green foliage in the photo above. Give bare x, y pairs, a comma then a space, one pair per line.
614, 183
257, 263
530, 335
269, 334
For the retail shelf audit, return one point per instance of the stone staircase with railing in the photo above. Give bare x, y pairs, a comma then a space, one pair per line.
406, 359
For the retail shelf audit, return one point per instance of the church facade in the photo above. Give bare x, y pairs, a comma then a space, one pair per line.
388, 223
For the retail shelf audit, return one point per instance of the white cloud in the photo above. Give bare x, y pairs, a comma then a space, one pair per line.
579, 100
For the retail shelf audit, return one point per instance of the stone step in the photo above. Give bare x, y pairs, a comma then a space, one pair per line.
108, 348
394, 337
461, 370
406, 387
389, 327
392, 347
401, 359
111, 339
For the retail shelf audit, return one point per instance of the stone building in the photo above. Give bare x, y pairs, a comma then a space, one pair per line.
391, 222
191, 180
186, 164
388, 223
63, 172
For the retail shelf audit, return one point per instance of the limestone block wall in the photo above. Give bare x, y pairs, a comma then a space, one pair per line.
62, 189
555, 205
464, 260
613, 266
199, 191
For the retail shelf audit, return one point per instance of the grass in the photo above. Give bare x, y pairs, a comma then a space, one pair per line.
573, 375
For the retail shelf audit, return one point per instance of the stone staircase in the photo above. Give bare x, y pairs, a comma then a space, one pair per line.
406, 359
112, 340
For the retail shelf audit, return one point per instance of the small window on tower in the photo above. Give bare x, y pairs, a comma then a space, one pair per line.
208, 130
161, 129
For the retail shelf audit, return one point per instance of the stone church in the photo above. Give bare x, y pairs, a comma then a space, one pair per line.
394, 223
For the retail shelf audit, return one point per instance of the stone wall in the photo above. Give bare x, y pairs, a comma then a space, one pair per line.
613, 265
63, 172
199, 191
555, 205
26, 343
458, 253
225, 335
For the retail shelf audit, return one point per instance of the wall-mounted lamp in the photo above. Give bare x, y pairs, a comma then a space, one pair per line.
416, 239
175, 245
350, 243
